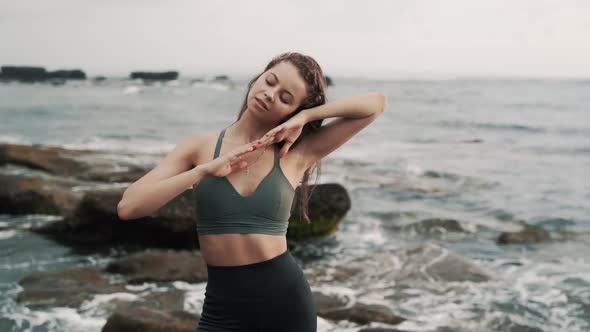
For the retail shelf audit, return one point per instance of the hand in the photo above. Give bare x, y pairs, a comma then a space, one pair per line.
288, 131
230, 161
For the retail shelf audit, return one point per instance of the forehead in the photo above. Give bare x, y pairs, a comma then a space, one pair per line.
290, 78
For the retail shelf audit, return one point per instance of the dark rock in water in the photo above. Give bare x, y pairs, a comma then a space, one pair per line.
474, 140
379, 329
530, 234
23, 73
67, 74
404, 268
69, 287
95, 222
436, 226
336, 308
99, 78
154, 76
329, 81
328, 204
21, 194
38, 74
80, 164
361, 313
160, 266
221, 78
150, 320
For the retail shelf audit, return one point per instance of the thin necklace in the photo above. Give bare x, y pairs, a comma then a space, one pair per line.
248, 167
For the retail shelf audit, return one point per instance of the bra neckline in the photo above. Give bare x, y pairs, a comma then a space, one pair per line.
276, 164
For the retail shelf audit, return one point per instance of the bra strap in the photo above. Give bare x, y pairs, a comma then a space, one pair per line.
277, 160
218, 145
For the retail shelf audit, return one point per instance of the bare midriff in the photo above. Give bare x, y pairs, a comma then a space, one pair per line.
240, 249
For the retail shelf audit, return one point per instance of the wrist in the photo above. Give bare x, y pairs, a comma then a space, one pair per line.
201, 170
306, 115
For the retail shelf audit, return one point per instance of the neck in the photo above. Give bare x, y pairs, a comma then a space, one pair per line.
248, 128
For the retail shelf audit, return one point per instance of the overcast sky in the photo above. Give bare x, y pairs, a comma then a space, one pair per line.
373, 38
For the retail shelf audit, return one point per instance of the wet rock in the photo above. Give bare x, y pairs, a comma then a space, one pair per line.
530, 234
80, 164
160, 266
362, 313
328, 302
435, 226
402, 268
154, 76
379, 329
328, 204
151, 320
38, 74
95, 222
23, 194
69, 287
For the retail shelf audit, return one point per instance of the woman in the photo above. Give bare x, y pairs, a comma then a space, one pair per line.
244, 179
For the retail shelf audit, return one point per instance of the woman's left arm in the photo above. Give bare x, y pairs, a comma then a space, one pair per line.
353, 114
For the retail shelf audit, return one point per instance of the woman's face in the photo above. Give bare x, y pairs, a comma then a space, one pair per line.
277, 92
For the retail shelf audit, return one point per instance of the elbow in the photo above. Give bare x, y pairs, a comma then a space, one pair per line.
380, 102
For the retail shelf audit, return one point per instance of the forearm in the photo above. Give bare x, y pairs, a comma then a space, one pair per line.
144, 199
357, 106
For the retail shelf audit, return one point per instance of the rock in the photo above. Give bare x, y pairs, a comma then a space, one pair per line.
154, 76
437, 226
379, 329
151, 320
361, 313
160, 266
24, 194
402, 268
68, 287
67, 74
80, 164
530, 234
23, 73
328, 80
221, 78
95, 222
326, 303
37, 74
328, 204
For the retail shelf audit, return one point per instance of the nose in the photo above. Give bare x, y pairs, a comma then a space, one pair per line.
269, 95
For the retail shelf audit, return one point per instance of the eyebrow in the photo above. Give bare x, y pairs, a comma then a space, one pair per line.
277, 78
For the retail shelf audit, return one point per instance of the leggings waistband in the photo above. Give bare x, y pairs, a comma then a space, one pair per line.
258, 280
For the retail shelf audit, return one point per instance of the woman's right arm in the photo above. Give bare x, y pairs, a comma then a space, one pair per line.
173, 175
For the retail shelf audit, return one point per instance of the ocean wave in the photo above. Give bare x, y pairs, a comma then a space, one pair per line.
491, 126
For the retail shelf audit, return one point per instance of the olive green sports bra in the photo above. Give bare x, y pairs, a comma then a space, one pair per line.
219, 208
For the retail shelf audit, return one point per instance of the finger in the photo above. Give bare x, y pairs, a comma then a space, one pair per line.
285, 149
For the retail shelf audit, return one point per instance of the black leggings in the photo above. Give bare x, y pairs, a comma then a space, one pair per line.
272, 295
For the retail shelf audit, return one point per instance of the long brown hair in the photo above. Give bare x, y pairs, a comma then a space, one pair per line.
315, 82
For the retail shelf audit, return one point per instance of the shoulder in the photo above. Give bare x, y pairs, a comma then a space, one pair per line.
196, 145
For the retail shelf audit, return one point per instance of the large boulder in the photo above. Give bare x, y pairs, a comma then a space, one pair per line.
151, 320
69, 287
328, 205
154, 76
529, 234
80, 164
160, 266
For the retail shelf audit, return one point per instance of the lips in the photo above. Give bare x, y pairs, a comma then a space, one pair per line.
261, 104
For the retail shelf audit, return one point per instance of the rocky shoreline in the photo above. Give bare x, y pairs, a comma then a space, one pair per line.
84, 187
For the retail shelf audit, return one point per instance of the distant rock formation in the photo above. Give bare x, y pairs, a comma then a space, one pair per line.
154, 76
328, 81
39, 74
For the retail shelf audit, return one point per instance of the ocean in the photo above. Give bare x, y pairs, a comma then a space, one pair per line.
490, 153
